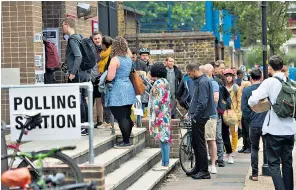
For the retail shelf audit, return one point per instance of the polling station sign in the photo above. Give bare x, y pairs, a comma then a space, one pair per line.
59, 107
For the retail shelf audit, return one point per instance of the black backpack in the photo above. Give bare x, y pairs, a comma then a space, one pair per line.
224, 102
88, 51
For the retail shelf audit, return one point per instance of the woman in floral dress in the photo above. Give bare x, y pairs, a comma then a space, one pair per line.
159, 107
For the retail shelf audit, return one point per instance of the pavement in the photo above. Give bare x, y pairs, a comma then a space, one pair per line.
232, 177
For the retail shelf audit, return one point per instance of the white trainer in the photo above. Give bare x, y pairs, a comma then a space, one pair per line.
230, 160
213, 170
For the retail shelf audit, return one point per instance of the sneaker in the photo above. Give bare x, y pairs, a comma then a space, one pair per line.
230, 160
84, 132
160, 168
98, 124
213, 170
202, 175
221, 163
123, 145
247, 151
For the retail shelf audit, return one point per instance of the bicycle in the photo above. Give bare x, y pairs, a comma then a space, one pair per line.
33, 120
186, 153
22, 178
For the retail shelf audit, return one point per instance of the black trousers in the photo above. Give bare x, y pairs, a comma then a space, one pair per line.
255, 134
245, 133
199, 146
226, 138
280, 148
83, 104
123, 115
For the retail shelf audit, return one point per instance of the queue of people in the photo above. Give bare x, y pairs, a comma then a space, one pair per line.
218, 100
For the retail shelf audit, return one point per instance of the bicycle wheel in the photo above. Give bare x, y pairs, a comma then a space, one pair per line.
56, 163
186, 154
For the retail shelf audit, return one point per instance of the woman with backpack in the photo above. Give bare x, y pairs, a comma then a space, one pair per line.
235, 95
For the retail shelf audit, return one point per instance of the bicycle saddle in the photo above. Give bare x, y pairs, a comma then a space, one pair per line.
28, 115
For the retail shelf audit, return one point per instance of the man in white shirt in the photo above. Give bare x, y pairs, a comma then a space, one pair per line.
279, 132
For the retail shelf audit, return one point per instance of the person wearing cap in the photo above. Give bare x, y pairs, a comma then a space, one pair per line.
235, 95
142, 62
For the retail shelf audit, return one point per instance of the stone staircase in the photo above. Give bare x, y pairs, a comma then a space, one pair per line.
114, 169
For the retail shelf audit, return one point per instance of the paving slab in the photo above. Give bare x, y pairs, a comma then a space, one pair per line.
230, 177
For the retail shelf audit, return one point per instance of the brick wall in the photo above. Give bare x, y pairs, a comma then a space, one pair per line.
53, 14
130, 23
175, 131
20, 20
120, 18
186, 45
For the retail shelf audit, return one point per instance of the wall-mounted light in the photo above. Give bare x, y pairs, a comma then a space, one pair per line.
86, 10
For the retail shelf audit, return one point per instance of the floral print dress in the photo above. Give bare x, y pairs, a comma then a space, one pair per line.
160, 107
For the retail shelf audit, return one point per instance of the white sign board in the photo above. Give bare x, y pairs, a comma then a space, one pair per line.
161, 52
59, 107
53, 35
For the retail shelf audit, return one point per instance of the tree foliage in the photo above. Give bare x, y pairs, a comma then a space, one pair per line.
250, 26
184, 15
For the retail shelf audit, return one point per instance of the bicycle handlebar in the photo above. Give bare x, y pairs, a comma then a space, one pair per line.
35, 154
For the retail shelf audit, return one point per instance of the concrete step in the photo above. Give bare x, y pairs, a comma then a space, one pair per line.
151, 178
130, 171
136, 136
103, 141
113, 158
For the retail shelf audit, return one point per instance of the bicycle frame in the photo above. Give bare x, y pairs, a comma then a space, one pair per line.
16, 148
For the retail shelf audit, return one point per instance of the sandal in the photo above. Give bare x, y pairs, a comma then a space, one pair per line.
253, 178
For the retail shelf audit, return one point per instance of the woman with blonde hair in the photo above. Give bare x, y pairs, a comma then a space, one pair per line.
122, 95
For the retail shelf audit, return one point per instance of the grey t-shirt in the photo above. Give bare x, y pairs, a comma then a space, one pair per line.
171, 79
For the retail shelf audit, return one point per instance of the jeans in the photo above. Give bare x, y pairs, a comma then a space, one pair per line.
199, 146
280, 148
219, 140
165, 153
123, 115
255, 134
174, 108
226, 138
245, 133
106, 110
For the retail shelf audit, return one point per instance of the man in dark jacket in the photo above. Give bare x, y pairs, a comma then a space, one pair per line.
201, 109
185, 92
254, 120
73, 60
174, 77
